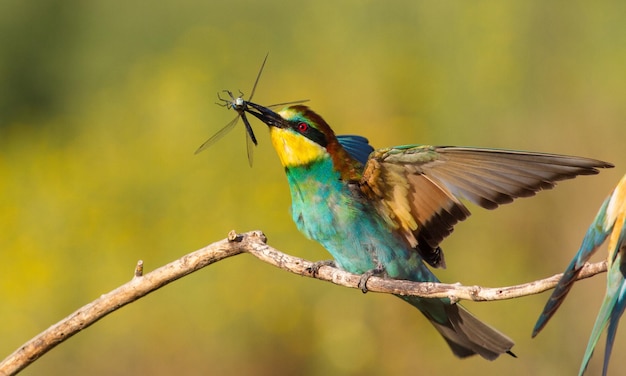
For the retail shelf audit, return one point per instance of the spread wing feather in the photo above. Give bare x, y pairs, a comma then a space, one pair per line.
418, 189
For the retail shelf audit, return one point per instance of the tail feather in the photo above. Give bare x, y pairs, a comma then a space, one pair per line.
611, 310
595, 236
465, 334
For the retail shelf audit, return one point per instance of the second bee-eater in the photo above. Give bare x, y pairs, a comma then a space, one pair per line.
610, 222
386, 211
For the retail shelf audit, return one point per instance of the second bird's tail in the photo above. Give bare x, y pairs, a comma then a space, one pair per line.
465, 334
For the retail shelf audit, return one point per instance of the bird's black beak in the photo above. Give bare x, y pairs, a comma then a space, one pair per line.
269, 117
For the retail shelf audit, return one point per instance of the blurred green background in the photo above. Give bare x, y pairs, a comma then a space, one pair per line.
102, 104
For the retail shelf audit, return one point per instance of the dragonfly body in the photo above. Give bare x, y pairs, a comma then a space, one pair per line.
240, 106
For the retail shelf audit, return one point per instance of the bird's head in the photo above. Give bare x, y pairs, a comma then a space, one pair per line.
301, 137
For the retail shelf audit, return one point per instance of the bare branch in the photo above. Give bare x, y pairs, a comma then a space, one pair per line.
138, 287
254, 243
455, 291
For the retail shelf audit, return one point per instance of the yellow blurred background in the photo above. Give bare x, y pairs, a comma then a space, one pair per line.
103, 103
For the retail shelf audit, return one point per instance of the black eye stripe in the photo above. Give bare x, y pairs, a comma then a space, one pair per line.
310, 132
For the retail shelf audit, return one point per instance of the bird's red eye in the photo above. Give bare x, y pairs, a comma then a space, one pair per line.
303, 127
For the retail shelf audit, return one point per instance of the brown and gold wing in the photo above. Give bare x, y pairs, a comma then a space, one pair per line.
417, 189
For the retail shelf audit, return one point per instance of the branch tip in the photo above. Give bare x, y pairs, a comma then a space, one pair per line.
234, 237
139, 269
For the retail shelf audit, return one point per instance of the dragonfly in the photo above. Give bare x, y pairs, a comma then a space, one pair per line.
240, 105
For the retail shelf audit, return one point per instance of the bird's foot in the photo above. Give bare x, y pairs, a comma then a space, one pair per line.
315, 268
379, 270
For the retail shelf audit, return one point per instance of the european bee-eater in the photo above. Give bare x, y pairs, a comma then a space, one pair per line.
386, 211
610, 222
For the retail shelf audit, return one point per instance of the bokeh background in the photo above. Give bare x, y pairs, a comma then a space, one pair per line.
102, 104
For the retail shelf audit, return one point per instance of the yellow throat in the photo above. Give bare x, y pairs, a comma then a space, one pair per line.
294, 149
